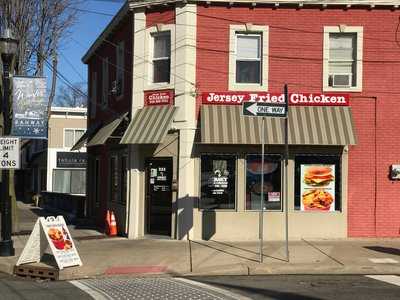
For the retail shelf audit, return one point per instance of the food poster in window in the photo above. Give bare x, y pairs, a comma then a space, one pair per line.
218, 182
317, 187
272, 183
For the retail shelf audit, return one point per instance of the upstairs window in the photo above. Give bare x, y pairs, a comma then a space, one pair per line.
161, 57
105, 90
93, 95
343, 58
71, 136
119, 76
248, 58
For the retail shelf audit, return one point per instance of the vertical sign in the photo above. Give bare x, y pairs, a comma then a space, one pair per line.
9, 153
29, 108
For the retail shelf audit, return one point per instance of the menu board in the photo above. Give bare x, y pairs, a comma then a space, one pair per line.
317, 187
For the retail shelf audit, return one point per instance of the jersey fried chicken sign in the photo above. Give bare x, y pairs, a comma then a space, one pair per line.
305, 99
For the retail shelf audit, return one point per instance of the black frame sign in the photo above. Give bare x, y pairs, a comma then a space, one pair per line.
71, 159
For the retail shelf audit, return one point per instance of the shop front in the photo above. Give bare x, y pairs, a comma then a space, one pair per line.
228, 164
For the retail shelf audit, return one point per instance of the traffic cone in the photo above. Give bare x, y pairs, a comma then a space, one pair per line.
108, 222
113, 225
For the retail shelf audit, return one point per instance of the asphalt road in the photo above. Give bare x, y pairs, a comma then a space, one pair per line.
297, 287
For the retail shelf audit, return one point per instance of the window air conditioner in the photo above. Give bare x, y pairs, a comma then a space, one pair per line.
341, 80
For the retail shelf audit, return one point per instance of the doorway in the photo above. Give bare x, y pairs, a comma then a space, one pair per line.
159, 195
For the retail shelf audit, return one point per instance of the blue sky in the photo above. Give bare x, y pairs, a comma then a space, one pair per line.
84, 33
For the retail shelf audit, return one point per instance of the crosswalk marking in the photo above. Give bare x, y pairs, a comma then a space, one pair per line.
213, 288
392, 279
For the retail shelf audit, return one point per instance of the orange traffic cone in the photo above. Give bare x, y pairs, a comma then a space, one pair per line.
113, 225
108, 222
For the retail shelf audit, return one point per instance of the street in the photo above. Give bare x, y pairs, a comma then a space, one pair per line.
210, 287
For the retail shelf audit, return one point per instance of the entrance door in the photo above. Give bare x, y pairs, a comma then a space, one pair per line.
159, 195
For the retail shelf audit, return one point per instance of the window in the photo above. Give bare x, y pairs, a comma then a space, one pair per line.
93, 95
105, 90
248, 59
161, 57
343, 58
218, 181
272, 199
124, 182
120, 68
317, 183
114, 179
69, 181
71, 136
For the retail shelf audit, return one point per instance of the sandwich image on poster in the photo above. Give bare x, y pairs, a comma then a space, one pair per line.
317, 187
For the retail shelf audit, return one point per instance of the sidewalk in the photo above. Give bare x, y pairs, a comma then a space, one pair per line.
119, 256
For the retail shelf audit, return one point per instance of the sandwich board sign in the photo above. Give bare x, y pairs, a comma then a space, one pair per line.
52, 232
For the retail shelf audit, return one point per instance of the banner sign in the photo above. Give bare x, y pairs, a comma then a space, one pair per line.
52, 232
317, 187
305, 99
29, 108
9, 153
162, 97
71, 159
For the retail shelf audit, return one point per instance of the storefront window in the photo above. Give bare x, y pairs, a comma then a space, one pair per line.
317, 183
272, 182
69, 181
218, 181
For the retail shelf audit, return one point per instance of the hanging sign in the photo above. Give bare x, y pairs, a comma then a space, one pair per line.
304, 99
162, 97
29, 108
9, 153
52, 232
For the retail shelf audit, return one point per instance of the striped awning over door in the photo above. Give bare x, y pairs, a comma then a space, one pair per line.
150, 125
106, 131
308, 125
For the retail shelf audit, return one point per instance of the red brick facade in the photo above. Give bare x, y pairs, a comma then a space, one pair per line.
295, 57
115, 108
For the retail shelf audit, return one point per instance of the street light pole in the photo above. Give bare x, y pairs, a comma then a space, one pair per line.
8, 47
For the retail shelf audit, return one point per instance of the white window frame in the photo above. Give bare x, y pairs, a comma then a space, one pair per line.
359, 31
105, 82
93, 95
149, 52
234, 31
75, 140
120, 68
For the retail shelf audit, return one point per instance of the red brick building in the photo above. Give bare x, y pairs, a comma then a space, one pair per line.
171, 153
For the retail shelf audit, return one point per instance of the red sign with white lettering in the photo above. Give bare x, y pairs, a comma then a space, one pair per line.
161, 97
305, 99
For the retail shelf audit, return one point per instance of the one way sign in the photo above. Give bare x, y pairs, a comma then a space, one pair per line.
257, 109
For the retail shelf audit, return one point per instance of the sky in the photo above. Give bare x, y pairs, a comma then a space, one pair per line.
87, 28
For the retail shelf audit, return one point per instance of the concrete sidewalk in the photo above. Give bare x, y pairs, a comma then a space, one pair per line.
114, 256
119, 256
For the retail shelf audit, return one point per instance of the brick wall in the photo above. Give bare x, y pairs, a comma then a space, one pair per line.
295, 49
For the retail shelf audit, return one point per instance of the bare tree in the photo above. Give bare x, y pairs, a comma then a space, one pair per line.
40, 26
74, 96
